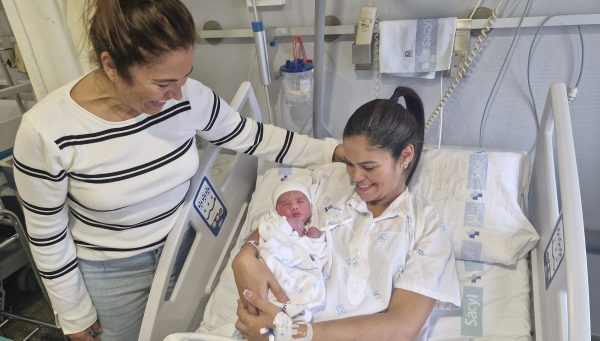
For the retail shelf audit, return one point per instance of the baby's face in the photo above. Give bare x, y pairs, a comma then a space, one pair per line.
293, 204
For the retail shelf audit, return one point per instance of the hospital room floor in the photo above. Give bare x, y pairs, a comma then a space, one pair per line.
31, 305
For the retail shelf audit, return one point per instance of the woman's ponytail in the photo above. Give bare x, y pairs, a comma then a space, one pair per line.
414, 107
413, 104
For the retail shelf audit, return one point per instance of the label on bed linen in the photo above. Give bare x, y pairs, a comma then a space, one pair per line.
554, 253
474, 214
470, 250
210, 207
478, 167
472, 311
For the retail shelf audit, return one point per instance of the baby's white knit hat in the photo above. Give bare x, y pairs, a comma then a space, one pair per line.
290, 185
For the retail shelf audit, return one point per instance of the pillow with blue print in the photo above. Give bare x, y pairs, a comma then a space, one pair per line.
477, 192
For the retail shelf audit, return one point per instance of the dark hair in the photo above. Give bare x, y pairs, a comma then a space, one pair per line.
136, 32
386, 124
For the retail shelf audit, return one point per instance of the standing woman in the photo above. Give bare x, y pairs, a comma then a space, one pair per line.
103, 164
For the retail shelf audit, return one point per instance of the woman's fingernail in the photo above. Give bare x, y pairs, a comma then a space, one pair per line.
248, 294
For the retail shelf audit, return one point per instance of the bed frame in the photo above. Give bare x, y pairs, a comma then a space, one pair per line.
207, 256
560, 302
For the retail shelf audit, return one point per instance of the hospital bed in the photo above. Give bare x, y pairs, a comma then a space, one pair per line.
541, 296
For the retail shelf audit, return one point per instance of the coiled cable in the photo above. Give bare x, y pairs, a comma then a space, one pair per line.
464, 66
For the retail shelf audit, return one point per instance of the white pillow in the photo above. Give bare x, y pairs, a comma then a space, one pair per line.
478, 195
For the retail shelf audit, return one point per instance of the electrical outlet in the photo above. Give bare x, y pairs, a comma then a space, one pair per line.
260, 3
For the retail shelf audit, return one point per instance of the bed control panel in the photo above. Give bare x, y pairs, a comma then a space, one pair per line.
209, 206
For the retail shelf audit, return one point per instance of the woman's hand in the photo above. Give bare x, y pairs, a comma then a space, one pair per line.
250, 273
250, 324
89, 334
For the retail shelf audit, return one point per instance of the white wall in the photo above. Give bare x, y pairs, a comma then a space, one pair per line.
509, 118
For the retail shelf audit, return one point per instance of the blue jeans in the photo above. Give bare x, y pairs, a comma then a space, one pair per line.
119, 290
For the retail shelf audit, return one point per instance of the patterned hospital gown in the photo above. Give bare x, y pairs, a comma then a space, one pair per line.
406, 247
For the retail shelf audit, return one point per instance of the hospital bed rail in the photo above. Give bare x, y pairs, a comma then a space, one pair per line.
559, 262
182, 309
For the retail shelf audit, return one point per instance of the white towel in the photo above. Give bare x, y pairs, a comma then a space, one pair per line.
416, 48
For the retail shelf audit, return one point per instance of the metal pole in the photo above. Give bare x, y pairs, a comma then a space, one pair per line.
260, 41
29, 320
319, 130
9, 241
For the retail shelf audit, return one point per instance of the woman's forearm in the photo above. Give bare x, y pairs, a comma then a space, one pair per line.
246, 252
403, 320
252, 274
372, 327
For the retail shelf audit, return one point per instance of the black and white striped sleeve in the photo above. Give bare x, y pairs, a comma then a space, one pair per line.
225, 127
42, 184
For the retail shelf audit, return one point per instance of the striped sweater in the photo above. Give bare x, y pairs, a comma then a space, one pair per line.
101, 190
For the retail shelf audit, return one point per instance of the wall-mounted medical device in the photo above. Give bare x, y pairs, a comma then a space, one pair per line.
361, 49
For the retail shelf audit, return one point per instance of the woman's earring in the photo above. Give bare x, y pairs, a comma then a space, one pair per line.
404, 165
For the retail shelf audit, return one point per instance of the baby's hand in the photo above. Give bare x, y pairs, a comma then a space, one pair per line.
313, 232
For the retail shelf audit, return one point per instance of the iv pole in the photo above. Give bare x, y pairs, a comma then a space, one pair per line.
319, 130
260, 41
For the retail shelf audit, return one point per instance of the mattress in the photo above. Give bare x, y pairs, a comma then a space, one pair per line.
495, 298
495, 305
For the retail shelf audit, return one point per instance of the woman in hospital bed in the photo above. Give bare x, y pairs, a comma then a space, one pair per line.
391, 254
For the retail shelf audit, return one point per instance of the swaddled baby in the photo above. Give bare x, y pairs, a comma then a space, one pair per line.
291, 201
294, 250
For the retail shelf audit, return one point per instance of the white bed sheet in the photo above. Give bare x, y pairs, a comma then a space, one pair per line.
495, 306
497, 295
